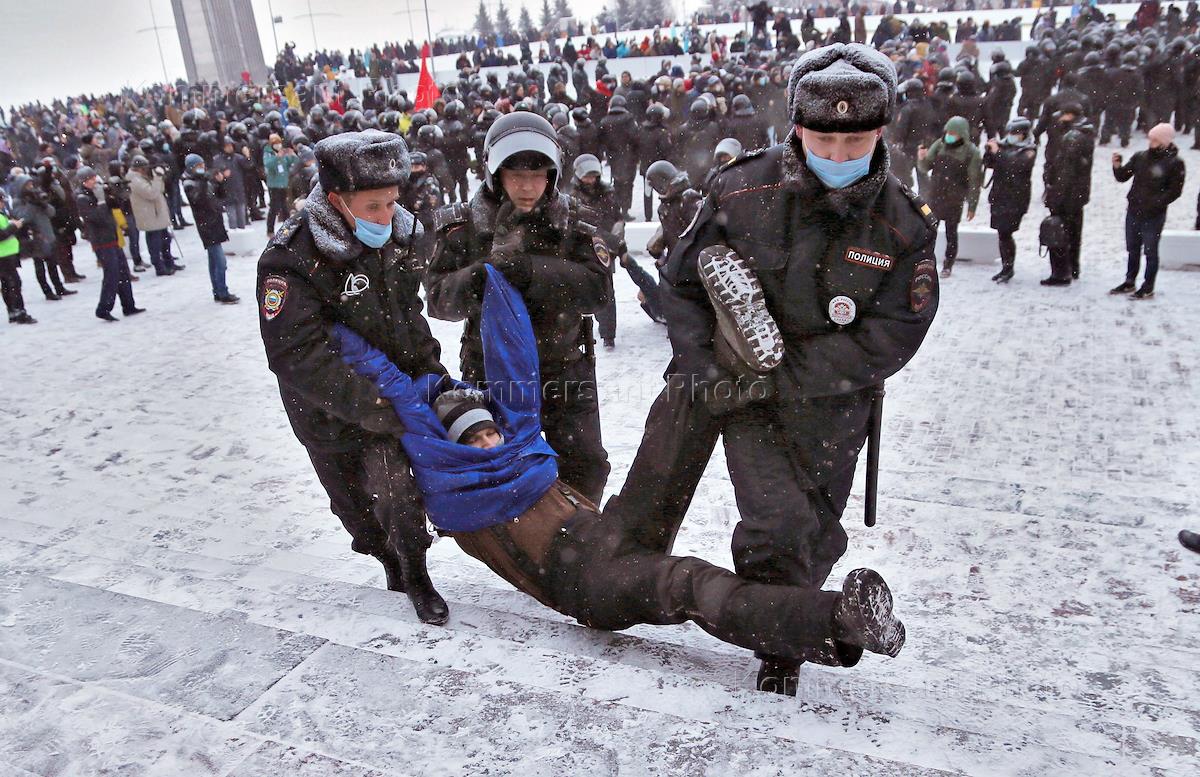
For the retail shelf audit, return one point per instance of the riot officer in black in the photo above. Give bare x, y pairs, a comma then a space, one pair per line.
349, 256
844, 256
523, 226
678, 203
456, 144
1011, 159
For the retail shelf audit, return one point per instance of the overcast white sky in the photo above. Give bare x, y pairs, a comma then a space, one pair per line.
53, 48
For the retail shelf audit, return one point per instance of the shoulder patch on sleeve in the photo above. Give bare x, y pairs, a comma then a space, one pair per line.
924, 285
602, 252
274, 296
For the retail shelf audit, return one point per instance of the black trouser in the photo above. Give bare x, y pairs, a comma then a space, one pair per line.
1030, 105
606, 317
579, 562
623, 178
951, 226
1064, 262
135, 242
1117, 121
1008, 251
10, 286
116, 280
64, 254
458, 173
790, 532
1143, 232
651, 294
371, 490
278, 207
570, 422
43, 267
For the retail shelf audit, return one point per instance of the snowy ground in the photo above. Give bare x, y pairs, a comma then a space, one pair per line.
176, 598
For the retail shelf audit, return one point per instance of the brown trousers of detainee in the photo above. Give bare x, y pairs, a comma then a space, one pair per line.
566, 555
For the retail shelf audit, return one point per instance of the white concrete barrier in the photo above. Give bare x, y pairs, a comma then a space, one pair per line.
979, 244
1179, 249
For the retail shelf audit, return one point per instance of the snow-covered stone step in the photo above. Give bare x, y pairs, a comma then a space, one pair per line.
1060, 578
829, 720
52, 725
939, 639
822, 689
337, 683
998, 650
397, 711
1120, 506
991, 558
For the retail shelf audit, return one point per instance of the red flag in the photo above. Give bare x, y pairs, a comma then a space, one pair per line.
427, 91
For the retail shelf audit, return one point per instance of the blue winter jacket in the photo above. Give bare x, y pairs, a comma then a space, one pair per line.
467, 488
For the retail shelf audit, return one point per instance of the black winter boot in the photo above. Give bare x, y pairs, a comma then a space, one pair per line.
393, 571
779, 675
863, 616
1190, 540
430, 606
741, 307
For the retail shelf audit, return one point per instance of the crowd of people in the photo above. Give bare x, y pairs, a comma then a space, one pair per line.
246, 151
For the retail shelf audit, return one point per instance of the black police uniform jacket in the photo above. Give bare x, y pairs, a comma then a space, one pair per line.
567, 280
315, 273
871, 242
1012, 166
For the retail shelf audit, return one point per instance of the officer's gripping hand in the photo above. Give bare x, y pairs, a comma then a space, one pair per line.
507, 253
723, 391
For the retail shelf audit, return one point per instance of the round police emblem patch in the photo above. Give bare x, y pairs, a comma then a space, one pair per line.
843, 108
842, 310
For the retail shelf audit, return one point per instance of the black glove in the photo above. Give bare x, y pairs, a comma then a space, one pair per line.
507, 248
724, 392
517, 269
383, 421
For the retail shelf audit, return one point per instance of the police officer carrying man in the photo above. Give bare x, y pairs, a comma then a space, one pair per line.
844, 256
538, 238
349, 256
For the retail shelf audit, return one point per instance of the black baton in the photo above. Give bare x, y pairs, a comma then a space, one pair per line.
874, 430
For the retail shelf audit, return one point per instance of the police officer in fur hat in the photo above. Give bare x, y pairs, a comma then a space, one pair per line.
842, 254
349, 255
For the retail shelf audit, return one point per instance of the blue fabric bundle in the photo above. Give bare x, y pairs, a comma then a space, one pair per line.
467, 488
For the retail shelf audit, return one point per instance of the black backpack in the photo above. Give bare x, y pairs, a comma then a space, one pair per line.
1053, 233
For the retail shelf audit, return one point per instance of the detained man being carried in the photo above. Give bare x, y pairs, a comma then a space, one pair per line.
490, 480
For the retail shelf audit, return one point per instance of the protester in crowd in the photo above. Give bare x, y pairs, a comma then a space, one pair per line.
101, 230
10, 263
1012, 159
147, 198
955, 169
204, 195
233, 167
1158, 175
277, 164
31, 205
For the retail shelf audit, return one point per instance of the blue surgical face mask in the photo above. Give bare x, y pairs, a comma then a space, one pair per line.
838, 175
950, 139
1014, 139
370, 233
